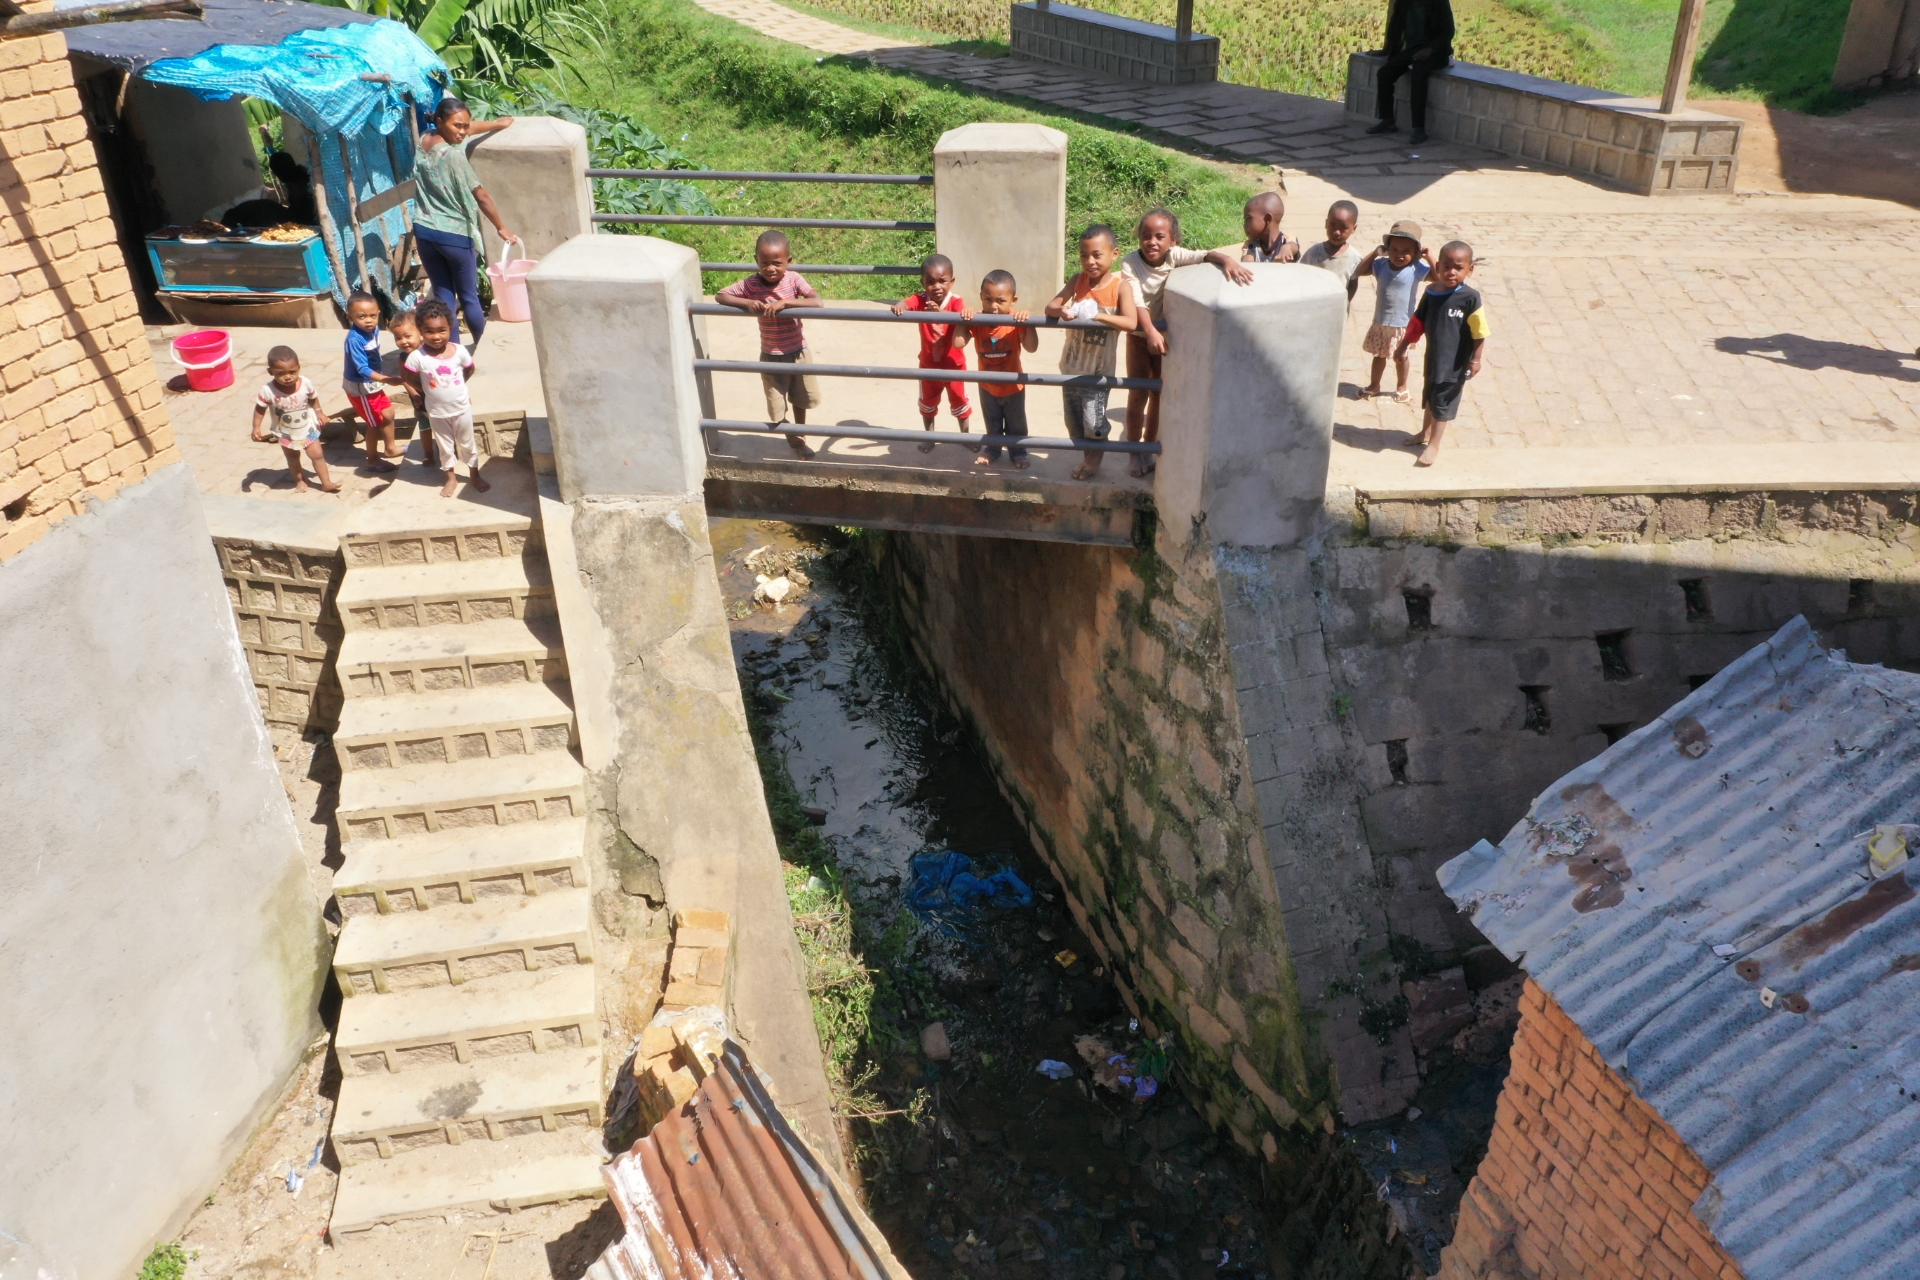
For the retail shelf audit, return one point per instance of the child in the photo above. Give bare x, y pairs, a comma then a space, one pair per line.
1096, 293
774, 288
1146, 270
1266, 242
406, 337
1454, 321
363, 377
939, 343
297, 415
1396, 273
439, 371
1334, 253
998, 348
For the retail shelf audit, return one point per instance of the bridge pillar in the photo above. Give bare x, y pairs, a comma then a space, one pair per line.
536, 172
1252, 374
616, 350
1000, 202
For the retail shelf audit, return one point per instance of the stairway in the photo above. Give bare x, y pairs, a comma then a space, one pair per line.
469, 1037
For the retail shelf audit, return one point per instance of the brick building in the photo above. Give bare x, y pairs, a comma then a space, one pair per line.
1716, 1067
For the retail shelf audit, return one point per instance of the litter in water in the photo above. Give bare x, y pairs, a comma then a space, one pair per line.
1054, 1070
945, 889
1065, 959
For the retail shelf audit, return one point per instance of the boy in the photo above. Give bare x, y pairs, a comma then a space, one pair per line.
439, 371
406, 338
1096, 293
361, 382
1334, 253
939, 343
1396, 274
1454, 321
773, 288
297, 415
1266, 242
998, 348
1146, 270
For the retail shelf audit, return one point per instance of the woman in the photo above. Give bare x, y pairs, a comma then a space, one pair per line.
448, 202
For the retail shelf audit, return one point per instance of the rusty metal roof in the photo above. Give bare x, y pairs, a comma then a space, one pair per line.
723, 1187
1716, 855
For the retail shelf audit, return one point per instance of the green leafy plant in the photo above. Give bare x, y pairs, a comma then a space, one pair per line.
168, 1261
498, 40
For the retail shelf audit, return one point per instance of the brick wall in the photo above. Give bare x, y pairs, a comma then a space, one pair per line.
282, 599
1581, 1177
80, 406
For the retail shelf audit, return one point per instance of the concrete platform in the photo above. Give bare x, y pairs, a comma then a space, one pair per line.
415, 872
547, 930
498, 720
383, 803
374, 662
498, 1016
478, 1100
542, 1168
443, 594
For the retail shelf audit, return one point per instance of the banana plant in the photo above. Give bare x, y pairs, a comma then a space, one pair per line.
495, 40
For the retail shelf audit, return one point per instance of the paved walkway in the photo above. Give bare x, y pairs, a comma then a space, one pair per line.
1677, 340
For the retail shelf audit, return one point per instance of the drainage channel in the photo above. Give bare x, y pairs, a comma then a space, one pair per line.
974, 1163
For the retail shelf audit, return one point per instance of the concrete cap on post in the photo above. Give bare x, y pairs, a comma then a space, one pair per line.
616, 349
1252, 374
1000, 203
536, 171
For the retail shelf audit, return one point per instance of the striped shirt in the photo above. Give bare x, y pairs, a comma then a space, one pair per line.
780, 333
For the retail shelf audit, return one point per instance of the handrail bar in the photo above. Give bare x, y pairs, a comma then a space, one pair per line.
936, 437
1079, 381
980, 320
712, 220
748, 175
820, 268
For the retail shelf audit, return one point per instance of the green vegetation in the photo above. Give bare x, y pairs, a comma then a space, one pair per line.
1780, 52
494, 40
731, 100
168, 1261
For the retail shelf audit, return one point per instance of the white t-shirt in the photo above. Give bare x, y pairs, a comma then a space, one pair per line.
444, 379
291, 414
1342, 264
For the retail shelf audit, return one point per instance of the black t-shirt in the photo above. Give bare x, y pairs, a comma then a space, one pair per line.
1449, 327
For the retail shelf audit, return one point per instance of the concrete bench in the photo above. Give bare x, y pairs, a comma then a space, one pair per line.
1089, 40
1591, 131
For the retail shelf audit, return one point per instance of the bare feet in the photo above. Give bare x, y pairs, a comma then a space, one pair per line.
330, 488
448, 489
302, 487
1086, 471
982, 460
1428, 456
479, 485
1370, 393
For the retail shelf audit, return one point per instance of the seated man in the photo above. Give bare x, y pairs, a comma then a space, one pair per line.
1419, 41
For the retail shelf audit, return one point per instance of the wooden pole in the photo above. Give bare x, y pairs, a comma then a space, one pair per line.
327, 230
353, 214
1183, 20
1686, 43
19, 25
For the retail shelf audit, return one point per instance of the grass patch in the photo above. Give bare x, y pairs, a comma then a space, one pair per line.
733, 100
168, 1261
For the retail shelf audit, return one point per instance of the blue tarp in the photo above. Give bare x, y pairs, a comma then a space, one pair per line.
944, 889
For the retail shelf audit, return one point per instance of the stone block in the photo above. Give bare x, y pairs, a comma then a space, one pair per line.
717, 922
686, 995
1000, 202
536, 171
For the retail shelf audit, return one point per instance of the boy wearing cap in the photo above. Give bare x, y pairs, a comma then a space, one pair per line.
1453, 319
1398, 268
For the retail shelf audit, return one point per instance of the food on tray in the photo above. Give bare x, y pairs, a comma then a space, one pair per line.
206, 227
287, 233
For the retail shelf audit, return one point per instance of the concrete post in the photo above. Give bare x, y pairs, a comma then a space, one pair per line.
616, 350
1247, 414
536, 172
1000, 202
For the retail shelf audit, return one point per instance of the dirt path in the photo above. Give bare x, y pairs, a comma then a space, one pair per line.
1871, 151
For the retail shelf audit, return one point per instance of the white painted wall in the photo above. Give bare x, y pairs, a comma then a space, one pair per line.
161, 949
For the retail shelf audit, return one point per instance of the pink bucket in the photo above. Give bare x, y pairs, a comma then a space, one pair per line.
510, 286
207, 356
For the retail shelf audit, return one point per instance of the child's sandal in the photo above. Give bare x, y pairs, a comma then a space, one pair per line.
1402, 397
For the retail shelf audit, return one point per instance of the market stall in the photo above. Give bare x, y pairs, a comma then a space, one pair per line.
165, 102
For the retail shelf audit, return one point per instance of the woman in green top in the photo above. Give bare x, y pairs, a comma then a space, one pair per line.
448, 202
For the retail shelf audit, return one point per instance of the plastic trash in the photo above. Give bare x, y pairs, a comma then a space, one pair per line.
1054, 1070
295, 1181
945, 889
1887, 848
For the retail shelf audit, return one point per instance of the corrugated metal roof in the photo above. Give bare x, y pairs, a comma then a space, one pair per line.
723, 1187
1735, 820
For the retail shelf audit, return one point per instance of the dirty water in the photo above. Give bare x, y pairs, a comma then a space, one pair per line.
987, 1166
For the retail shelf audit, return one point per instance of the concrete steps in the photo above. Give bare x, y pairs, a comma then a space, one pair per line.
541, 1168
443, 868
458, 724
415, 949
507, 1014
469, 1044
385, 803
444, 594
382, 663
382, 1115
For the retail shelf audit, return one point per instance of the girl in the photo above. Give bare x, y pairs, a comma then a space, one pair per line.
449, 200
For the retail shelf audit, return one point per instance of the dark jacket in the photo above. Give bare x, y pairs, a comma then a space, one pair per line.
1413, 25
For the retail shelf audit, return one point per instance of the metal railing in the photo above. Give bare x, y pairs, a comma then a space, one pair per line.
1079, 381
898, 436
980, 319
819, 224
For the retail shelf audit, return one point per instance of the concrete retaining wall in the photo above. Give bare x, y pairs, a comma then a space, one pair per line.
165, 948
1089, 40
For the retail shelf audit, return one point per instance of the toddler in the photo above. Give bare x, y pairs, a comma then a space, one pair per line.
361, 382
1334, 253
1454, 321
295, 408
1398, 269
773, 288
939, 343
406, 337
1266, 242
1146, 270
1096, 293
997, 349
439, 371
